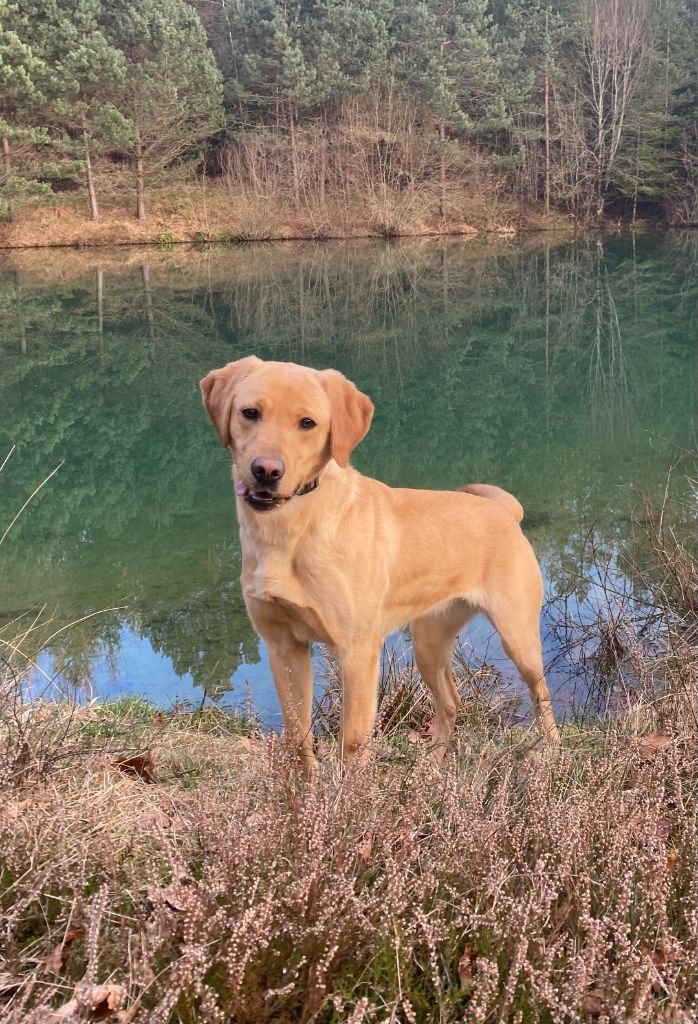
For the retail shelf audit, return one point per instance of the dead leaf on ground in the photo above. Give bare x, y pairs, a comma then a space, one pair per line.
140, 765
154, 818
247, 745
593, 1003
653, 744
16, 808
658, 959
173, 898
57, 959
255, 820
560, 914
365, 849
466, 966
90, 1002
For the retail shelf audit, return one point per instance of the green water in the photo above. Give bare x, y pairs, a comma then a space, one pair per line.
564, 371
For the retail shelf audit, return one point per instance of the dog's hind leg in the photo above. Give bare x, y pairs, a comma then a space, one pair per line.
517, 622
434, 636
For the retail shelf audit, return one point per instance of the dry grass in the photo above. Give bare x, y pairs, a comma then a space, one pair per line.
215, 214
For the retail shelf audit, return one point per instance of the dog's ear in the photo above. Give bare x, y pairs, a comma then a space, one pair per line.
218, 392
351, 414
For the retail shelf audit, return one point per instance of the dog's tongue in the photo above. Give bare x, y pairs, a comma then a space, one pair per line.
241, 489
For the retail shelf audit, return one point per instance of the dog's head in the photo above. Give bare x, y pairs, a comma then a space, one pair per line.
283, 423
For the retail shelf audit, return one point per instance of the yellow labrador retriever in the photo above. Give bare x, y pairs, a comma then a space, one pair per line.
333, 556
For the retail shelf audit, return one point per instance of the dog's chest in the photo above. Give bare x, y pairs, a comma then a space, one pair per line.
275, 579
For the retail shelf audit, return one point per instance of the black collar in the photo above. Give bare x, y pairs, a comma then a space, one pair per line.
307, 488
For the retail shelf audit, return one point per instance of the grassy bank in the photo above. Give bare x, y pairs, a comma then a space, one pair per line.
193, 214
171, 867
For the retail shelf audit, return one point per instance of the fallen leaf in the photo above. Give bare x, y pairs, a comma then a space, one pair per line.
658, 958
172, 896
561, 913
593, 1003
16, 808
365, 849
141, 765
154, 819
99, 1002
653, 744
58, 958
466, 966
103, 1000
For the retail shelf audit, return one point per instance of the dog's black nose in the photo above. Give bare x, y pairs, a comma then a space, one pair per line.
267, 471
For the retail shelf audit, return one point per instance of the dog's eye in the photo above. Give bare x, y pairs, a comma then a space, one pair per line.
306, 423
251, 414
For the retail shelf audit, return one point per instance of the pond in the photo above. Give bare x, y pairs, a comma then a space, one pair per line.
563, 370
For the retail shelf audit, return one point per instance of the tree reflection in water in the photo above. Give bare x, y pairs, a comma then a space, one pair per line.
560, 371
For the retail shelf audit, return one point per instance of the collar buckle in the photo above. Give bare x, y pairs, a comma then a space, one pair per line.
307, 488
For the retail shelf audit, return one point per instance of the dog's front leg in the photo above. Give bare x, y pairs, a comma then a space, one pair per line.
293, 677
359, 697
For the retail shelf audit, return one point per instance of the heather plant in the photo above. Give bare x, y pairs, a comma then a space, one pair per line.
172, 867
513, 886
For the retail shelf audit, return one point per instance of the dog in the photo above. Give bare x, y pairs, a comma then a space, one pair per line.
332, 556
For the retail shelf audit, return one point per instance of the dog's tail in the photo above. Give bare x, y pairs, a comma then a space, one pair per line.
506, 500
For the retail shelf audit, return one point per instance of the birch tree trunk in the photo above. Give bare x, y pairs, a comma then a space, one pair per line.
442, 170
91, 191
7, 161
140, 181
294, 156
546, 107
616, 49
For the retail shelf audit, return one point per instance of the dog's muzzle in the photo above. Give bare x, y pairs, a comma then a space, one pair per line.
264, 501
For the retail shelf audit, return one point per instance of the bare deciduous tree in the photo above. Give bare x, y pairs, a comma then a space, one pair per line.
616, 46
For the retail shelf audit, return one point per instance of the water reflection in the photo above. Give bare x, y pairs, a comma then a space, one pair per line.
562, 372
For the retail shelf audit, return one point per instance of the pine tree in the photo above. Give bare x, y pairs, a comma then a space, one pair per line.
446, 57
268, 73
20, 72
72, 64
533, 39
171, 96
679, 38
348, 44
